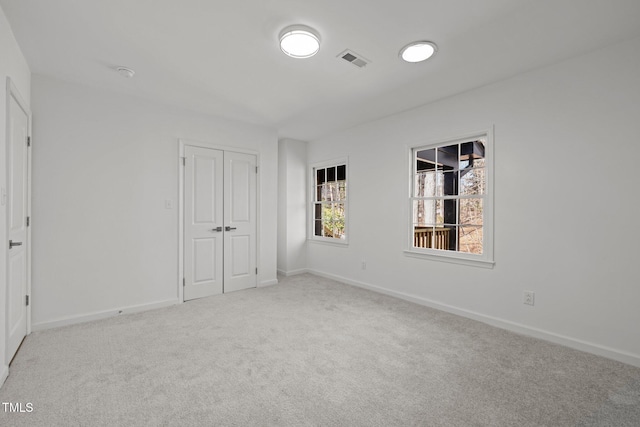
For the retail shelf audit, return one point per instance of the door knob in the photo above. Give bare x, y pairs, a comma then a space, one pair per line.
229, 228
12, 244
217, 229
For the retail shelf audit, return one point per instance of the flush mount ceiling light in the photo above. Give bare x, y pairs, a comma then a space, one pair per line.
299, 41
418, 51
125, 72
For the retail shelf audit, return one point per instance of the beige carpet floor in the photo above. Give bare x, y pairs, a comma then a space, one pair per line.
310, 352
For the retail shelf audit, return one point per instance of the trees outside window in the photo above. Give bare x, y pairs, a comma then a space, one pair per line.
449, 196
329, 201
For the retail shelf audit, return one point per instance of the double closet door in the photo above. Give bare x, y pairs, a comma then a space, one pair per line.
219, 222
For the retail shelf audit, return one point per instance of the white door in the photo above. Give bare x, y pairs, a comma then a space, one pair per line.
219, 222
240, 178
17, 211
203, 222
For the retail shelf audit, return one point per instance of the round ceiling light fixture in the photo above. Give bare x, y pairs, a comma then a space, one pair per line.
125, 72
299, 41
418, 51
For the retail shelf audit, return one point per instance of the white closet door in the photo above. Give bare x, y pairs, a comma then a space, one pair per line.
17, 264
240, 177
203, 222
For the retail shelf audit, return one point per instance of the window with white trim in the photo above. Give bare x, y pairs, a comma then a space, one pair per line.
451, 201
329, 202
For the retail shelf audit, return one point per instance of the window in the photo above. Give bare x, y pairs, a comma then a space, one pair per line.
329, 202
451, 200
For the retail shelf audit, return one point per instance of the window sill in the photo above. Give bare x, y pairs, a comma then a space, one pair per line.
330, 242
450, 258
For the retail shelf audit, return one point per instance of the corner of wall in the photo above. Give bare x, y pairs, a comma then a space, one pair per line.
292, 205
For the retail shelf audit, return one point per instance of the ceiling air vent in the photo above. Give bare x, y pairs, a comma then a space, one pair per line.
354, 58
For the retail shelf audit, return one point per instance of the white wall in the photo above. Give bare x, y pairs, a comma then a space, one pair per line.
566, 210
292, 204
13, 65
104, 164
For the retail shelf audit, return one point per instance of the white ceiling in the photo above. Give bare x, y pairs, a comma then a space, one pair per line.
221, 57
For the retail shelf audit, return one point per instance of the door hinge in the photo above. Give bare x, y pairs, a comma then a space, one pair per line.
256, 270
184, 161
27, 299
256, 169
28, 221
28, 141
184, 282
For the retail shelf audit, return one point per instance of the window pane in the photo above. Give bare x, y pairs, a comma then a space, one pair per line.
342, 172
422, 236
450, 211
449, 184
329, 192
472, 154
335, 191
424, 212
331, 174
333, 222
318, 211
438, 237
318, 227
448, 157
425, 160
471, 239
445, 237
418, 209
472, 181
471, 211
425, 184
342, 190
430, 211
320, 176
319, 193
466, 155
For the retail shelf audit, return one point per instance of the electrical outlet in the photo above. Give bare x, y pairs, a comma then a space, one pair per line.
529, 297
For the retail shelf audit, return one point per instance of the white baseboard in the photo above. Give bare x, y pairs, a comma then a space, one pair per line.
4, 373
292, 272
610, 353
268, 283
71, 320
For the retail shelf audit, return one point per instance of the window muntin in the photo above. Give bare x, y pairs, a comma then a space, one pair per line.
449, 196
329, 202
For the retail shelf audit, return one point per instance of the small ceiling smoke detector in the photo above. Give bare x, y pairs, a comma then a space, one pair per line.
125, 72
299, 41
418, 51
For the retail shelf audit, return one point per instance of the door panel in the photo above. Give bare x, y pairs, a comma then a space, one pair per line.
203, 215
17, 264
240, 254
17, 268
240, 217
204, 250
240, 175
205, 191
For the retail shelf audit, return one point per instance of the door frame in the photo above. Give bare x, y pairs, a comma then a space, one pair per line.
13, 92
182, 143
